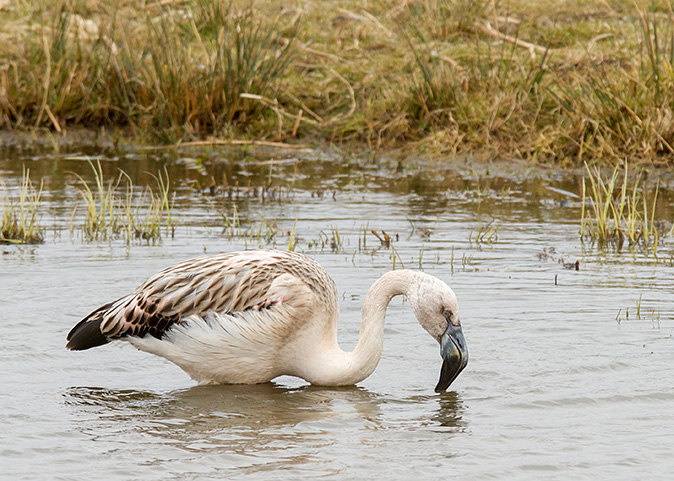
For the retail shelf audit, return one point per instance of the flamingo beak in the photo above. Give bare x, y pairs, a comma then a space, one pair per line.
454, 354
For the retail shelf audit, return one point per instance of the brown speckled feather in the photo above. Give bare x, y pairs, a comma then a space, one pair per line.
226, 283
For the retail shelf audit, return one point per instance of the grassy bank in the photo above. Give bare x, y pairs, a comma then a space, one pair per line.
555, 81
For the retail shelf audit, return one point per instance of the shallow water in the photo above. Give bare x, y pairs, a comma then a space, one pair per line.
560, 384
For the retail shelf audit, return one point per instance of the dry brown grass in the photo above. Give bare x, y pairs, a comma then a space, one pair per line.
563, 81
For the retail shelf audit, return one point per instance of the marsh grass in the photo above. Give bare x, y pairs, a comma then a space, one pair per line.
19, 223
260, 232
395, 258
239, 59
135, 215
557, 103
639, 314
485, 234
101, 213
336, 241
332, 240
554, 81
384, 239
232, 224
169, 71
292, 240
492, 98
617, 211
152, 212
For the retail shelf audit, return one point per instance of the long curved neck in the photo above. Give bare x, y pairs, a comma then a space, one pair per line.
345, 368
365, 357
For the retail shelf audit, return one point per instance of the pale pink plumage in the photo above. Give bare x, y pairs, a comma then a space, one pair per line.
248, 317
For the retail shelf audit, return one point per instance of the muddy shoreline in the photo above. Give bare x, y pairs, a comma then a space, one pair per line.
114, 142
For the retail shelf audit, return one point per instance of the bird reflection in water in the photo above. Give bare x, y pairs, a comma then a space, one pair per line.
255, 427
450, 411
235, 415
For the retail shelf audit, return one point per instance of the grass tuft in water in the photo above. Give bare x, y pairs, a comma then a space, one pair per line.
19, 222
101, 217
617, 213
485, 234
134, 216
261, 233
147, 222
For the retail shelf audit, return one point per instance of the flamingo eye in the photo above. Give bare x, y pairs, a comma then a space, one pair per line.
450, 317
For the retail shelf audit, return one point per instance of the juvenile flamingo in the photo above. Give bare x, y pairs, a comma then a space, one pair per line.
248, 317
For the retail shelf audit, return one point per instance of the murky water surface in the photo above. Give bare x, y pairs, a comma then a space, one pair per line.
561, 384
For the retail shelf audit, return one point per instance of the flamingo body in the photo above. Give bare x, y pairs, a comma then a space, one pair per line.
248, 317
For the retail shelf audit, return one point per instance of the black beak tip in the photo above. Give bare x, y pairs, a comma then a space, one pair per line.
455, 357
448, 373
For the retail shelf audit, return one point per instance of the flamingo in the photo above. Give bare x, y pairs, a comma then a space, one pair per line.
248, 317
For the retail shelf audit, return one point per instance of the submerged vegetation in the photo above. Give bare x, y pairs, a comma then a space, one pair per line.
19, 222
553, 81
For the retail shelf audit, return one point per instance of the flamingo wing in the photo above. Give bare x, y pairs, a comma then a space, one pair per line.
231, 284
